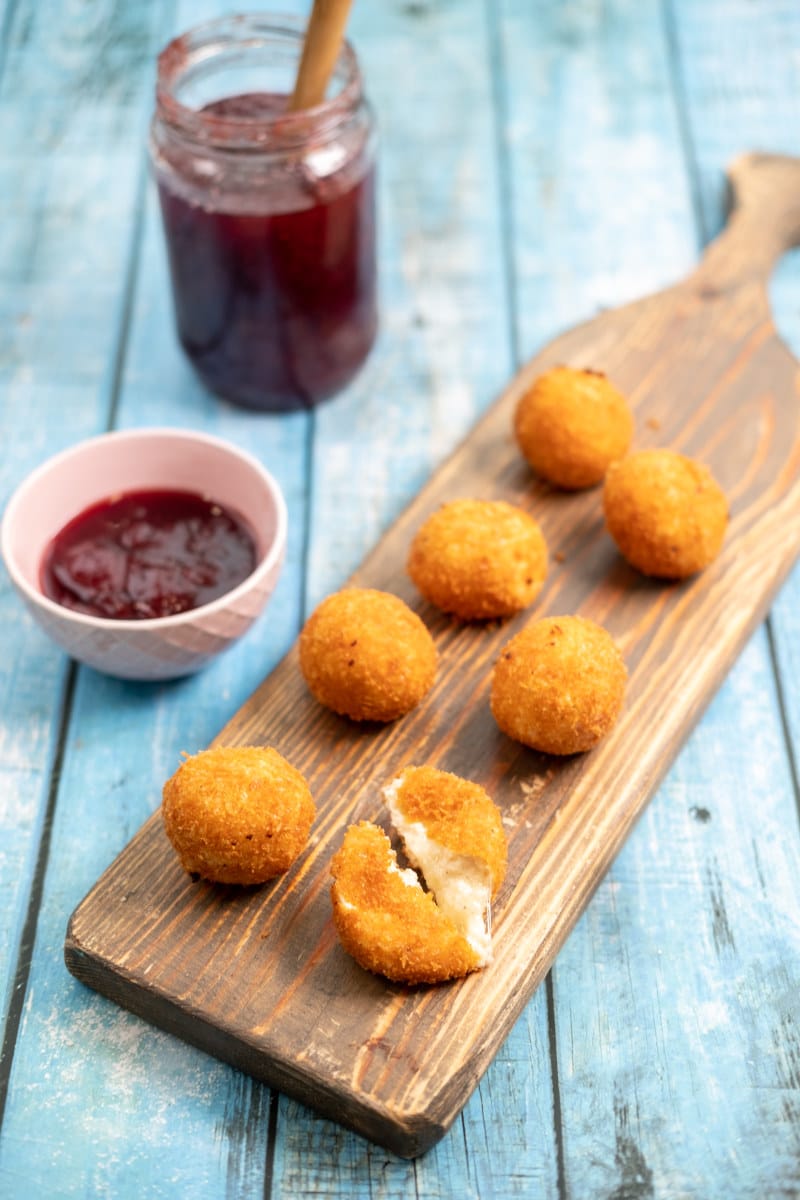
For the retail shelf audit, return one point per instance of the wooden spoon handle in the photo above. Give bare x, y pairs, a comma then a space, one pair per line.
320, 51
764, 221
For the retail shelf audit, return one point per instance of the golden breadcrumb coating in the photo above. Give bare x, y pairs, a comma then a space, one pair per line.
453, 835
571, 425
384, 918
558, 686
666, 512
479, 559
237, 814
457, 814
366, 655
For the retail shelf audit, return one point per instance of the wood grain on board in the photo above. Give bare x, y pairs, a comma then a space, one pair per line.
257, 977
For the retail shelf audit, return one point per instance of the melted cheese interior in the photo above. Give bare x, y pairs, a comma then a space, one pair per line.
461, 885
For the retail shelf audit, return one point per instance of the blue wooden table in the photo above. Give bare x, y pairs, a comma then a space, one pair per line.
540, 160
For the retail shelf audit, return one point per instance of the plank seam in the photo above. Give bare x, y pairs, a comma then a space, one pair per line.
28, 936
24, 958
780, 693
552, 1040
685, 135
132, 265
5, 33
687, 140
500, 118
305, 536
272, 1137
500, 114
128, 296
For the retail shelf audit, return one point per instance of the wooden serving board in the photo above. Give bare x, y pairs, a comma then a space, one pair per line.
257, 977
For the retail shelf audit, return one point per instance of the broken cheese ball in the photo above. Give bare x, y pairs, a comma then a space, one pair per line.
384, 918
453, 834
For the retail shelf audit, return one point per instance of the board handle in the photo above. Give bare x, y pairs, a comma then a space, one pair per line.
764, 221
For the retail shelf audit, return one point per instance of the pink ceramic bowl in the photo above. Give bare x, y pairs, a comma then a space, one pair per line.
163, 647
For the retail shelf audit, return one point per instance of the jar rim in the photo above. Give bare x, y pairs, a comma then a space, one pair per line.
197, 45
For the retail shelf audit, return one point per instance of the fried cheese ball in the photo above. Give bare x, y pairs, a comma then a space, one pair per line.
479, 559
571, 425
453, 834
366, 655
385, 920
237, 814
558, 685
666, 512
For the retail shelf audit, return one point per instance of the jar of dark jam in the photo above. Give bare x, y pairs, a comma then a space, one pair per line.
269, 214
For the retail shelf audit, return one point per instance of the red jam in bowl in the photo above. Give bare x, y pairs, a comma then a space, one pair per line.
147, 554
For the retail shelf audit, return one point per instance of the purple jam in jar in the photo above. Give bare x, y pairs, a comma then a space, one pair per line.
269, 217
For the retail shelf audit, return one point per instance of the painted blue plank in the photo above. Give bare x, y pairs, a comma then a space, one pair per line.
502, 1145
785, 618
445, 351
123, 741
736, 75
785, 632
63, 274
63, 247
197, 1125
600, 213
32, 678
141, 402
647, 1042
599, 192
672, 996
677, 993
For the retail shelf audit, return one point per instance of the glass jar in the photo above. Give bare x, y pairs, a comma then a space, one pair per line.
269, 215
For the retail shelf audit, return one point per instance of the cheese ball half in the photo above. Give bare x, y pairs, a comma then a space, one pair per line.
366, 655
479, 559
385, 919
453, 835
440, 814
237, 814
559, 684
571, 425
666, 512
